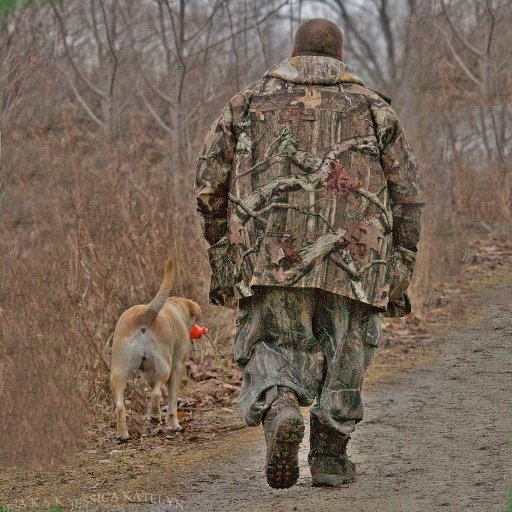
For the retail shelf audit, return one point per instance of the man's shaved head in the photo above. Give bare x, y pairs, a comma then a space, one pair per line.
319, 36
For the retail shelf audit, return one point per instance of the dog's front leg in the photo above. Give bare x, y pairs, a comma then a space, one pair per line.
156, 395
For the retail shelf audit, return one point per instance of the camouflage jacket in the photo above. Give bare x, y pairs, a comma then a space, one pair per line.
306, 179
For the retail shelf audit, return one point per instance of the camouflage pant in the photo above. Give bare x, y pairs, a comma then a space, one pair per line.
315, 342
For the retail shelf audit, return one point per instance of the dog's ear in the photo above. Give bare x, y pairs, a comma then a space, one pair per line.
194, 308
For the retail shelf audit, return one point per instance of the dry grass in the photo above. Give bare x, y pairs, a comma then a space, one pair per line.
86, 227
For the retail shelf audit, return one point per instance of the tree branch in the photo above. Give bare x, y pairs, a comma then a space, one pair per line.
80, 99
101, 94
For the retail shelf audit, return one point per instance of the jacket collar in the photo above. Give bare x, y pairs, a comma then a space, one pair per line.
313, 70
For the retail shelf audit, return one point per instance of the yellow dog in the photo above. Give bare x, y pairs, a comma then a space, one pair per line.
155, 339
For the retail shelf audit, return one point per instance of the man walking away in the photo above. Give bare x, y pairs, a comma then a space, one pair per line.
311, 203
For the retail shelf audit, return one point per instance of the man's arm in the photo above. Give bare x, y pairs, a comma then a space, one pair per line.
405, 186
406, 198
213, 175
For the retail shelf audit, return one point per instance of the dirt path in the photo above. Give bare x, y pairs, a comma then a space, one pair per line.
434, 438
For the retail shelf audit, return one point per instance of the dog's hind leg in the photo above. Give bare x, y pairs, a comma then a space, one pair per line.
126, 359
118, 385
172, 400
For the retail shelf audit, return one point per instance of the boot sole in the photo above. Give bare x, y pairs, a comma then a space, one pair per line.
282, 466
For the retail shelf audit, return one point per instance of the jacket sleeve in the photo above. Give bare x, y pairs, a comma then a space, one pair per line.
213, 171
405, 186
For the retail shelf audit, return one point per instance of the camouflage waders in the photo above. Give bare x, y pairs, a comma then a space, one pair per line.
314, 342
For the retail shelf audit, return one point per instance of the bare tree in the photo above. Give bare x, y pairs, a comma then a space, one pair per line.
476, 85
202, 53
377, 37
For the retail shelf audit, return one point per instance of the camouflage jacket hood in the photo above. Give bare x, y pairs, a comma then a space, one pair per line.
306, 179
313, 71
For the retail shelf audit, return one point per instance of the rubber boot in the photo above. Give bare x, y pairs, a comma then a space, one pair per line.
328, 459
284, 429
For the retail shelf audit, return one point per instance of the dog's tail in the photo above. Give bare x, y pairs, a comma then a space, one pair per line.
153, 308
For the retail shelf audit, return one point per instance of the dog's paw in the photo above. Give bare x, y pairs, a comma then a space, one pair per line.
123, 438
175, 428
